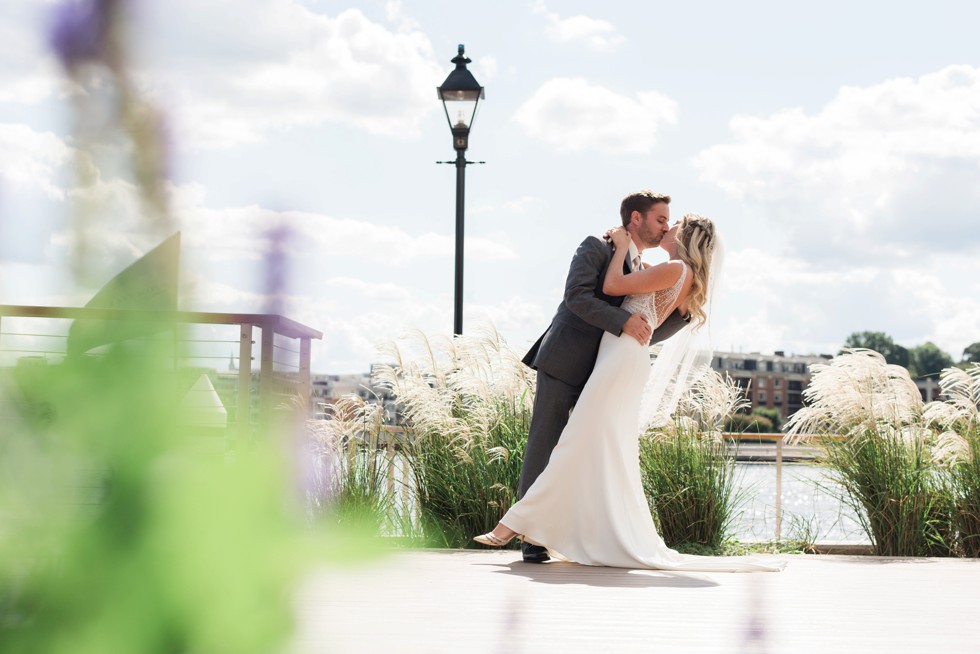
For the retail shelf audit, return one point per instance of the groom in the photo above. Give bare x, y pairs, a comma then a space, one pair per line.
566, 353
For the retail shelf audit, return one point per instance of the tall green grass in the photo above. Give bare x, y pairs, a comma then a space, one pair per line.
880, 451
965, 482
958, 450
691, 486
900, 498
353, 473
910, 472
688, 477
466, 410
466, 406
464, 486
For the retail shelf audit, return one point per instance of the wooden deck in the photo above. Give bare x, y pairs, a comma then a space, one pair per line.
477, 602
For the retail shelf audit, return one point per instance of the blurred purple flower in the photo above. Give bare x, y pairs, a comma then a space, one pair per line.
276, 267
80, 29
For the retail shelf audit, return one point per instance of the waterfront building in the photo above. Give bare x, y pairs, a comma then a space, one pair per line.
774, 381
777, 380
327, 389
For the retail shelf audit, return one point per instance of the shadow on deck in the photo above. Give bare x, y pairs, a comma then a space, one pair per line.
490, 601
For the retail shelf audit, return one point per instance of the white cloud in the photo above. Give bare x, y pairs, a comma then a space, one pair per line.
29, 87
515, 315
201, 292
773, 302
485, 68
33, 284
768, 302
29, 73
383, 291
352, 337
231, 76
574, 115
522, 204
241, 233
594, 33
358, 265
745, 267
108, 230
358, 282
887, 171
950, 319
394, 14
32, 159
760, 330
357, 316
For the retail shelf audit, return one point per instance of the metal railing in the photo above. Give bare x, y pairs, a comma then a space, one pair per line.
276, 375
774, 454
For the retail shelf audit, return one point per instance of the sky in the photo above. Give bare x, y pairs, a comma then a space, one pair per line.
836, 145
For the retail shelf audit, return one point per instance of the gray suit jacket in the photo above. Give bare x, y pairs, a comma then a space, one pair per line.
568, 348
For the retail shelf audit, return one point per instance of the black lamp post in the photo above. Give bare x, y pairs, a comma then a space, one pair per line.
460, 94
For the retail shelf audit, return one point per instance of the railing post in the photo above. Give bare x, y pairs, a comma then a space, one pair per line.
244, 381
779, 489
390, 453
304, 373
265, 376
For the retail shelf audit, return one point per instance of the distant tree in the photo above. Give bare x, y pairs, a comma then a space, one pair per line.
928, 360
772, 415
971, 353
881, 343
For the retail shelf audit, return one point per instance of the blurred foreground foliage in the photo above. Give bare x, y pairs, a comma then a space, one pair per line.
122, 528
120, 533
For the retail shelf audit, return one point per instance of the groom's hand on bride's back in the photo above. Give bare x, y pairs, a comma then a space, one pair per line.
639, 328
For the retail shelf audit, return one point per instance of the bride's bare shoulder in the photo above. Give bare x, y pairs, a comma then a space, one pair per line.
668, 271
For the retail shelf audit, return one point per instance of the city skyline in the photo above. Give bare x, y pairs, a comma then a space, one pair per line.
837, 149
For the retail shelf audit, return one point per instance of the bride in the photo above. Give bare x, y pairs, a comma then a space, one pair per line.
588, 504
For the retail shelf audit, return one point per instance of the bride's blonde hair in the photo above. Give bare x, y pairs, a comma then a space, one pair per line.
695, 245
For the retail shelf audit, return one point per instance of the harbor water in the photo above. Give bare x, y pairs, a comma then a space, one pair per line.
810, 507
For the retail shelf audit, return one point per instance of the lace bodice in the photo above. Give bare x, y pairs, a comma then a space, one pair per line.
656, 306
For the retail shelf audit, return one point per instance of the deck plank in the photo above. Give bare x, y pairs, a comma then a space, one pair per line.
433, 601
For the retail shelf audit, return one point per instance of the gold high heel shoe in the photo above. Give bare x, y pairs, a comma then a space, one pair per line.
494, 541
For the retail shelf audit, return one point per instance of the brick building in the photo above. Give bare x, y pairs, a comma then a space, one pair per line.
776, 381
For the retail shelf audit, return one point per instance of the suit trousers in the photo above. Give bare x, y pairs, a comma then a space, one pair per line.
553, 401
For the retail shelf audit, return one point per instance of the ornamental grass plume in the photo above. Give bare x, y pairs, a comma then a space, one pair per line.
879, 449
957, 414
465, 407
958, 449
688, 477
455, 387
856, 393
353, 453
711, 398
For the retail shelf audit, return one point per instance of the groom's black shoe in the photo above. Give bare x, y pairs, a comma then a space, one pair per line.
534, 553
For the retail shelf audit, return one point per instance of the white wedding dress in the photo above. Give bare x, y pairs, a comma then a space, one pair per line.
588, 504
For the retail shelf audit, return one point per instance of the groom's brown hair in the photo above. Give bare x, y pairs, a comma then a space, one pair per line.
640, 201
